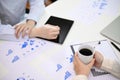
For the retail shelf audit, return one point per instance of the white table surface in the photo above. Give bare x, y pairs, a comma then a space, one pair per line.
80, 32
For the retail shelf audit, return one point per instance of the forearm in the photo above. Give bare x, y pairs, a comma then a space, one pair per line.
35, 32
111, 66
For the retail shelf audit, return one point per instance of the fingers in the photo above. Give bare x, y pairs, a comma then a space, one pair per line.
23, 30
19, 29
54, 35
76, 57
53, 28
74, 61
52, 31
98, 55
26, 31
47, 31
91, 63
77, 60
98, 59
80, 67
56, 29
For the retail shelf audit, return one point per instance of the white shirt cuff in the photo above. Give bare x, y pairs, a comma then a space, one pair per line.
80, 77
107, 64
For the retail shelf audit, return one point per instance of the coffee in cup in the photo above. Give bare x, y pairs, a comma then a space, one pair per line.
86, 53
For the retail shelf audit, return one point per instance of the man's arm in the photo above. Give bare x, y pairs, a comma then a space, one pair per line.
108, 65
37, 8
111, 66
82, 70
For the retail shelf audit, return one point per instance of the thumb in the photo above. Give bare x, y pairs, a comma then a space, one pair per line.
91, 63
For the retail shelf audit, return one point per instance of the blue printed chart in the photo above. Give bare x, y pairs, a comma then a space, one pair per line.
28, 60
58, 65
36, 64
15, 51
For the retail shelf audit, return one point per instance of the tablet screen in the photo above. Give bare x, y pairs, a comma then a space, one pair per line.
64, 25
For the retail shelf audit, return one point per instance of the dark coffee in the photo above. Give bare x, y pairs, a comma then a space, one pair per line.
86, 52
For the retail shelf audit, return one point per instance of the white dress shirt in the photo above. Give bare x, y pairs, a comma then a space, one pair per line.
80, 77
12, 11
108, 65
111, 66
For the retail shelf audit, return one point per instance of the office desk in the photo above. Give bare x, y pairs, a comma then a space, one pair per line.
64, 8
44, 64
81, 31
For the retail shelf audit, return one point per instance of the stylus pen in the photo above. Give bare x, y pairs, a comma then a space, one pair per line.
115, 46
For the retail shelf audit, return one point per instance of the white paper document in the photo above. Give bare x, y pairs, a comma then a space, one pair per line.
16, 58
30, 61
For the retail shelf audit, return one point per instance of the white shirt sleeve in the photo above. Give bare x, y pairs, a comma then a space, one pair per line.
80, 77
37, 8
7, 33
111, 66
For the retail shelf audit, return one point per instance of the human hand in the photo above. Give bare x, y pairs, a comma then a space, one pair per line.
81, 68
47, 31
24, 28
98, 59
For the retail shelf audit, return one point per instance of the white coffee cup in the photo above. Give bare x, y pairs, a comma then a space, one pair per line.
86, 53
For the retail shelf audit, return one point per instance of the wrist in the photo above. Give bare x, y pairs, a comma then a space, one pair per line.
31, 22
36, 32
33, 33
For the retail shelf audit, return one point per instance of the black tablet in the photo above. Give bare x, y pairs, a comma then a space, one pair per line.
64, 25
